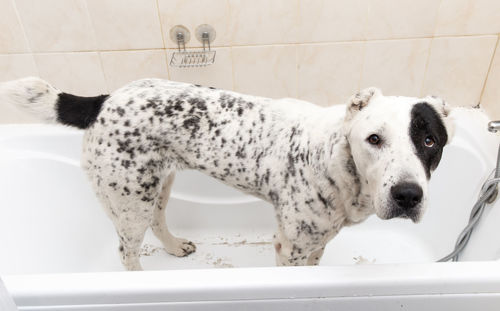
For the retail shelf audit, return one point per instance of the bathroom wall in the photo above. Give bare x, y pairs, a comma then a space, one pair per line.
318, 50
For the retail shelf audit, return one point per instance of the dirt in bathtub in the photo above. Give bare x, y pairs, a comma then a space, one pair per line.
260, 243
360, 260
218, 262
149, 250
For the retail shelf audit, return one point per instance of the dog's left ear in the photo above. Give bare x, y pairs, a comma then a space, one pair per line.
444, 111
360, 100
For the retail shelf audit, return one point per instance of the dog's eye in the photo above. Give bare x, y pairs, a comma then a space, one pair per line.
374, 139
429, 141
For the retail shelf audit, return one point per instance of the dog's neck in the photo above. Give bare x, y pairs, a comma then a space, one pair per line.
339, 181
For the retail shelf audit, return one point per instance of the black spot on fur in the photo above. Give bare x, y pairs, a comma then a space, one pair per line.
291, 164
193, 124
293, 133
426, 122
78, 111
262, 117
240, 153
120, 111
323, 200
274, 196
198, 102
351, 167
332, 182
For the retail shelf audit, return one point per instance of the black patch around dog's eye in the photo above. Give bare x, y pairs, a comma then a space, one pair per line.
428, 135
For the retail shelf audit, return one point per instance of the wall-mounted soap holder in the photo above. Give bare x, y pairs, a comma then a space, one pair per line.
185, 59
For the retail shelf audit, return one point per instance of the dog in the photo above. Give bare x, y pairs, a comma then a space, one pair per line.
320, 169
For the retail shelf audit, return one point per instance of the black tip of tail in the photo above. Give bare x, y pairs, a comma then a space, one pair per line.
78, 111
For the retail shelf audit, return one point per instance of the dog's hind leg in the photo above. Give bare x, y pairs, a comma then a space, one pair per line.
131, 235
129, 202
173, 245
131, 217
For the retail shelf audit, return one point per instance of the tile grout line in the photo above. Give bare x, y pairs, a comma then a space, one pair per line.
364, 47
297, 71
232, 69
363, 61
103, 72
163, 38
427, 60
429, 50
489, 70
161, 24
106, 84
28, 43
231, 51
266, 45
299, 15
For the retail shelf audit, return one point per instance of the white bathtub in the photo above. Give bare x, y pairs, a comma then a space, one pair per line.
58, 250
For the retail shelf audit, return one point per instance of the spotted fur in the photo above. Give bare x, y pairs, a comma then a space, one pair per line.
313, 164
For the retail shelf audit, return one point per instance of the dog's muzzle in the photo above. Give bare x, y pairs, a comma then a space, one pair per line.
406, 199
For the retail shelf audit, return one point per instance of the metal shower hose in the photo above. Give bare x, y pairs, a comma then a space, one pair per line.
487, 195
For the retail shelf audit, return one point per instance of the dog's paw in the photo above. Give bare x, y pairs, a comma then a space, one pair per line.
181, 248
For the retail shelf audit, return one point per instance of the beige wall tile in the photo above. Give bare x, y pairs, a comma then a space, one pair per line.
462, 17
490, 100
193, 13
329, 74
126, 24
269, 71
397, 67
332, 20
76, 73
15, 66
57, 25
219, 74
264, 22
389, 19
457, 68
122, 67
12, 37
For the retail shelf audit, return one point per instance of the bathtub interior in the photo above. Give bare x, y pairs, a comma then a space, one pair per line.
51, 222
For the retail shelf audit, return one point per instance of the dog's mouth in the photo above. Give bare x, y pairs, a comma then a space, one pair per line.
394, 211
413, 214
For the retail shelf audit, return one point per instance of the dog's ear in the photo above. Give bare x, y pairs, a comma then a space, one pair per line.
360, 100
444, 111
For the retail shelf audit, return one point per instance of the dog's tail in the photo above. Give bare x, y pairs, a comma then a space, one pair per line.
47, 103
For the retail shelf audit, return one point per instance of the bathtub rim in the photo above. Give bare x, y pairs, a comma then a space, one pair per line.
236, 284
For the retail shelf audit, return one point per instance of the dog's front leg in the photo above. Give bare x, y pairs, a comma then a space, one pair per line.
315, 257
297, 250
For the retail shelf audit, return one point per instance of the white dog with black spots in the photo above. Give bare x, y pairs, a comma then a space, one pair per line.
321, 169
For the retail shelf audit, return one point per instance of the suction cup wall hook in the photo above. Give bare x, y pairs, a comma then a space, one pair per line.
183, 58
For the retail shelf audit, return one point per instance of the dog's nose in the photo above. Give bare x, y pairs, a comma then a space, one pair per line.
407, 195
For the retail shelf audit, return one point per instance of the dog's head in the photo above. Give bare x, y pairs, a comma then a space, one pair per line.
396, 143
